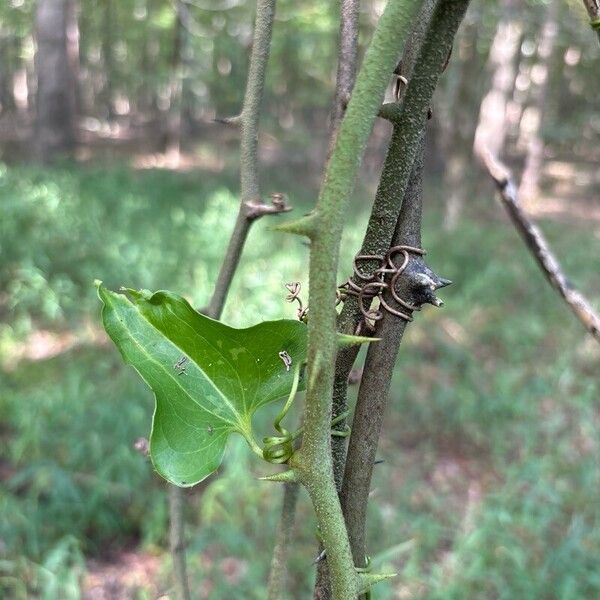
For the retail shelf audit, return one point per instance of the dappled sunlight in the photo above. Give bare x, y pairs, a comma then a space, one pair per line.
130, 132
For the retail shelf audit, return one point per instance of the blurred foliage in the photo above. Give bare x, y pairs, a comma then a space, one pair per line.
131, 52
489, 487
490, 477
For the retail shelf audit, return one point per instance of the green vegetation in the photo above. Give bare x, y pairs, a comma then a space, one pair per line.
491, 449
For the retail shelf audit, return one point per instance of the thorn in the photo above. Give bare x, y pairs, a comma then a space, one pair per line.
282, 477
437, 302
304, 226
367, 580
443, 282
319, 558
424, 281
345, 341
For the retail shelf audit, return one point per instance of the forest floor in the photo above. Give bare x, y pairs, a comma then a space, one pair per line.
490, 452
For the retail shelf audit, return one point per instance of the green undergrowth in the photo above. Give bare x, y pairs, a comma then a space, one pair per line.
489, 485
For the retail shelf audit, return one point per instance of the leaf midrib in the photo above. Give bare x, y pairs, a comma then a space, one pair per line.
236, 425
218, 351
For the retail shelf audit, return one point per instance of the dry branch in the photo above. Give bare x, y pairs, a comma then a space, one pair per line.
538, 246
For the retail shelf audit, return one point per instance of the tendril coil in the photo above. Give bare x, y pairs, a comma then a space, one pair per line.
373, 284
278, 449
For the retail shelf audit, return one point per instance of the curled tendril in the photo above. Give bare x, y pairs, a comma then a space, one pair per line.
366, 285
346, 431
367, 567
372, 284
294, 288
279, 448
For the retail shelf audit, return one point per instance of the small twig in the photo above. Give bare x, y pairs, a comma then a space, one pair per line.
538, 246
251, 205
235, 120
593, 10
284, 532
346, 67
177, 542
250, 195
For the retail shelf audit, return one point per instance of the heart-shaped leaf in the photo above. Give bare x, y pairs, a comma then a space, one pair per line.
208, 378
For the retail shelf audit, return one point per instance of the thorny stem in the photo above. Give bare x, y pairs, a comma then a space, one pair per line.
380, 230
250, 209
369, 412
374, 387
251, 202
346, 76
313, 462
346, 67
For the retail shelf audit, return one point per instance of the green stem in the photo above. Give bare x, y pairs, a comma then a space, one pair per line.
249, 211
313, 461
177, 542
249, 177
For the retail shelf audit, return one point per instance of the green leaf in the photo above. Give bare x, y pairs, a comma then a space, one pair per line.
208, 378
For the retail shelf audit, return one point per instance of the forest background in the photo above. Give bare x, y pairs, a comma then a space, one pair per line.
489, 485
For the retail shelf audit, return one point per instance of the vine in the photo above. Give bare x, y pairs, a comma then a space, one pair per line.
313, 463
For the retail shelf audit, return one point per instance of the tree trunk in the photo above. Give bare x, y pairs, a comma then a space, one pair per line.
54, 132
174, 116
490, 134
107, 59
459, 125
73, 50
7, 103
532, 120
